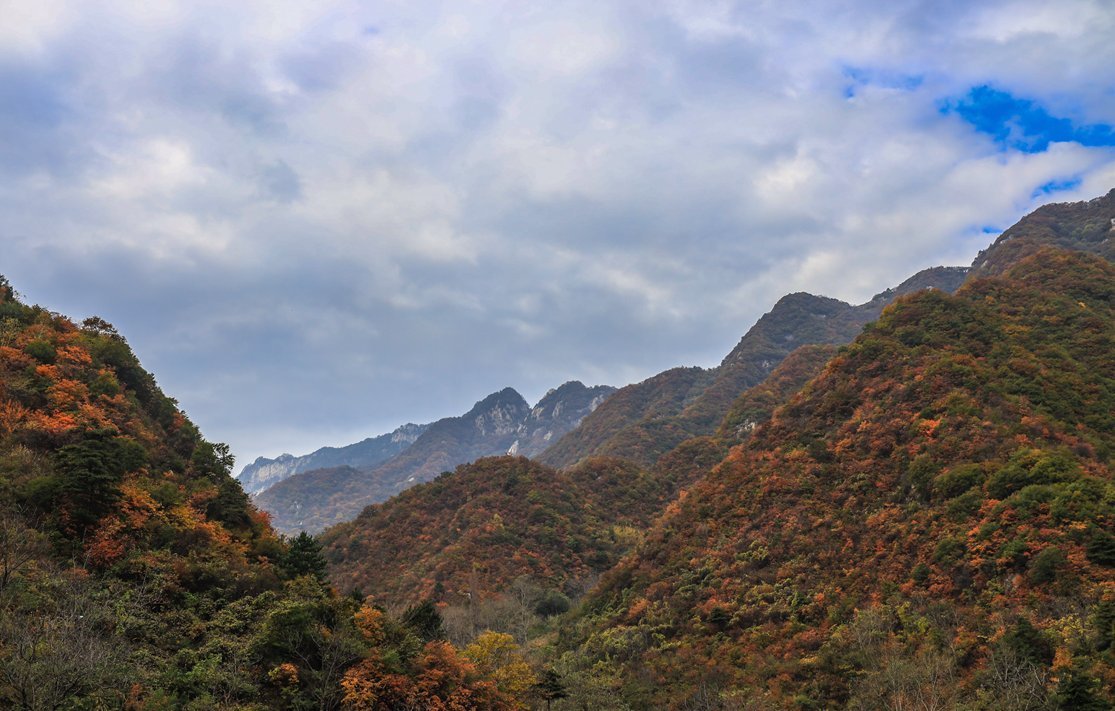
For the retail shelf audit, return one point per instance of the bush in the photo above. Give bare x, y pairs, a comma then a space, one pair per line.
1028, 467
40, 351
957, 480
1100, 548
552, 603
1047, 565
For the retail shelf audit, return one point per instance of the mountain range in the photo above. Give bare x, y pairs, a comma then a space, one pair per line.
264, 472
640, 422
923, 513
500, 423
645, 420
916, 516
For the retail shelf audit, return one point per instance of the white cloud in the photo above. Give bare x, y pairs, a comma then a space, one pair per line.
389, 209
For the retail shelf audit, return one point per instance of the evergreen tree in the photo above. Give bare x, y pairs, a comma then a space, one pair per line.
550, 687
304, 557
425, 620
1077, 691
90, 475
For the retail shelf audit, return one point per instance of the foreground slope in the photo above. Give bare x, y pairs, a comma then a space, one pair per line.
135, 573
930, 518
122, 534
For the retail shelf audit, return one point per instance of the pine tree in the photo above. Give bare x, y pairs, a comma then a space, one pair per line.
90, 474
304, 557
425, 620
1077, 691
550, 687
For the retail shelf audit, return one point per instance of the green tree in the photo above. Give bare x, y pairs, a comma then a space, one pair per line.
425, 620
550, 687
1078, 691
304, 557
91, 471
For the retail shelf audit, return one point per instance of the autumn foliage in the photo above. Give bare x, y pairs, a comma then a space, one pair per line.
943, 480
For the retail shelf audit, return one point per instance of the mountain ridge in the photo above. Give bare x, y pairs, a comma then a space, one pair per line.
264, 472
926, 453
680, 403
498, 423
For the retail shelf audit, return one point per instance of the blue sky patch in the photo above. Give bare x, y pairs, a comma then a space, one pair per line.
1057, 185
860, 77
1021, 124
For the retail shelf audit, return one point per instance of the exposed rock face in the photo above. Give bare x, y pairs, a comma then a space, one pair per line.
263, 472
558, 412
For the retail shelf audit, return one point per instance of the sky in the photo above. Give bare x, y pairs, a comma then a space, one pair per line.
317, 221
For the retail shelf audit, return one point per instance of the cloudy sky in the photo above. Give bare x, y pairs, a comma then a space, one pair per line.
315, 221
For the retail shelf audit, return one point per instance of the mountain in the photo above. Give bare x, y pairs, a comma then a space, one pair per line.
501, 519
667, 392
1082, 226
136, 574
558, 412
930, 517
493, 522
516, 516
498, 424
315, 499
264, 472
643, 421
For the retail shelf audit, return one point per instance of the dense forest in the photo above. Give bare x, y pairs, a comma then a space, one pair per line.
923, 518
135, 573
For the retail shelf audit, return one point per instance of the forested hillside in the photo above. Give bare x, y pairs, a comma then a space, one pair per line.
644, 421
928, 522
135, 573
473, 532
1080, 226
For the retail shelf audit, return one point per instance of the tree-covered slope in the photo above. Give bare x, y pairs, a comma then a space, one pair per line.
642, 422
663, 394
929, 521
135, 573
121, 531
476, 530
1082, 226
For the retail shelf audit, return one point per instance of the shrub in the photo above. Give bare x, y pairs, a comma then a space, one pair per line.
957, 480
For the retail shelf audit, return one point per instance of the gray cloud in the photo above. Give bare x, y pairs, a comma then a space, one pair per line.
317, 221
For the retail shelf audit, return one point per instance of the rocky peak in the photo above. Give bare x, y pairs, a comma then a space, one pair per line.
500, 413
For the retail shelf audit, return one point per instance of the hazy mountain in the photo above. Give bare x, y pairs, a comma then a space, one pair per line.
558, 412
499, 423
264, 472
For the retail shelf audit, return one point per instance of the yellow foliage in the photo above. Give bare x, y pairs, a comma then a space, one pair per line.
496, 656
369, 621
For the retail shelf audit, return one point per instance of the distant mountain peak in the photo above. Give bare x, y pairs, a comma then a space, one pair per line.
264, 472
501, 422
